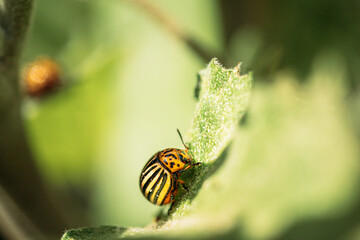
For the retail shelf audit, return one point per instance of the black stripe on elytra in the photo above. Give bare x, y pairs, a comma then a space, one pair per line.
171, 155
167, 151
150, 180
181, 157
144, 173
156, 183
162, 201
161, 187
149, 163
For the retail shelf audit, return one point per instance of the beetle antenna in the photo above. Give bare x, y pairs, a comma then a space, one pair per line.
182, 139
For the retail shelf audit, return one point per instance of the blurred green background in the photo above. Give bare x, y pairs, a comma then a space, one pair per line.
129, 83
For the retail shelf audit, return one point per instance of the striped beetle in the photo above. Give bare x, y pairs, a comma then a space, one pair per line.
159, 178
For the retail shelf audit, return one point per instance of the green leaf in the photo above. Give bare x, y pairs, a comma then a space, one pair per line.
94, 233
223, 100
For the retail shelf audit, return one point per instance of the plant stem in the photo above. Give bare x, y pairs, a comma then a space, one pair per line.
19, 177
13, 223
173, 28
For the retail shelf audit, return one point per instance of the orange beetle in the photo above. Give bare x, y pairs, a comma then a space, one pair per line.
41, 77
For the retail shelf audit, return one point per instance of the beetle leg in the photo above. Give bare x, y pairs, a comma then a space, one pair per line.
173, 194
190, 166
172, 197
171, 206
183, 184
186, 168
